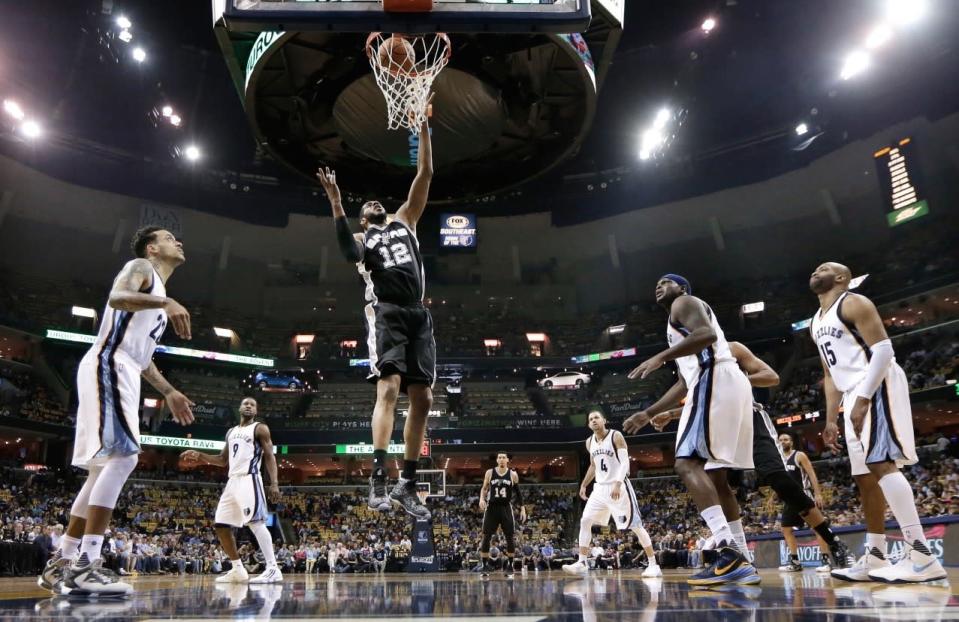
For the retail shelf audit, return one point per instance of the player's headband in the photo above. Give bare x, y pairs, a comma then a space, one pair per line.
675, 278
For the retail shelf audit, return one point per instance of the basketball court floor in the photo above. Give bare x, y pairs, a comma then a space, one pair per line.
529, 597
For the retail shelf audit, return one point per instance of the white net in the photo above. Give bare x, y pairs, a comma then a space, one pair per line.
404, 68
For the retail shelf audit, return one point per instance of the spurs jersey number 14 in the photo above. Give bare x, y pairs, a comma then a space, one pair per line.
603, 455
245, 453
842, 349
134, 333
693, 365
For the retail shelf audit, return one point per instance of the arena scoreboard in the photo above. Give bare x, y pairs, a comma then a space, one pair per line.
900, 184
458, 230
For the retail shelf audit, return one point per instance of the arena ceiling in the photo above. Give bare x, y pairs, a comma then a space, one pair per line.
742, 88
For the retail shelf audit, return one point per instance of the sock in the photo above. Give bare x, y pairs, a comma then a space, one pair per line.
825, 532
716, 521
69, 547
736, 528
901, 501
90, 547
236, 563
409, 469
794, 557
509, 563
265, 540
581, 558
876, 543
379, 464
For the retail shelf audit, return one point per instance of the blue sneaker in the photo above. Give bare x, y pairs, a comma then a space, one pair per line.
730, 567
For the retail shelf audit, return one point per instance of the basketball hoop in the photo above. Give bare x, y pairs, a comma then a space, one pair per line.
404, 68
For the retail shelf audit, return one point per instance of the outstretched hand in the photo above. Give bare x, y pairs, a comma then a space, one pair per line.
327, 179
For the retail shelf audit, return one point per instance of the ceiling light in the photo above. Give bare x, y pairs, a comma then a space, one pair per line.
662, 118
905, 11
226, 333
801, 129
856, 63
167, 110
84, 312
708, 24
124, 22
175, 120
31, 129
878, 36
13, 109
192, 153
126, 36
139, 55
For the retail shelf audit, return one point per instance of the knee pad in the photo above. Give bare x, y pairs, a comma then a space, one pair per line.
113, 475
790, 492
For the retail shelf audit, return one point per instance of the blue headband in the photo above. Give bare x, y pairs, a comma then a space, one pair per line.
675, 278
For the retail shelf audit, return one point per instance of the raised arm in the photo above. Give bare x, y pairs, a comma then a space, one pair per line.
350, 245
759, 373
411, 211
180, 405
269, 461
127, 295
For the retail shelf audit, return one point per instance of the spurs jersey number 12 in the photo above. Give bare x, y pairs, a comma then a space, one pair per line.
693, 365
842, 349
134, 333
603, 455
392, 266
245, 453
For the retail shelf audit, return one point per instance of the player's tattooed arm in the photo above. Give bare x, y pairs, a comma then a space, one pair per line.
180, 405
411, 211
127, 295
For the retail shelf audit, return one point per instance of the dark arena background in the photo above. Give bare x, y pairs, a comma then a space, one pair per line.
581, 149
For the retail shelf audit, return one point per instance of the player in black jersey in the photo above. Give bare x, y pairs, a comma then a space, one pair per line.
501, 484
800, 470
400, 329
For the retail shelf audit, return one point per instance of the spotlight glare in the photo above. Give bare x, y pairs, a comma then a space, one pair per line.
175, 120
13, 109
167, 110
801, 129
878, 36
31, 129
126, 36
856, 63
708, 24
905, 11
662, 118
644, 154
192, 153
124, 22
139, 55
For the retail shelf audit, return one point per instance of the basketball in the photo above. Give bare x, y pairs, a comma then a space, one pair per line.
397, 54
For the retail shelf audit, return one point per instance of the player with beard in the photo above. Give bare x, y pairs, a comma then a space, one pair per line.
402, 351
862, 376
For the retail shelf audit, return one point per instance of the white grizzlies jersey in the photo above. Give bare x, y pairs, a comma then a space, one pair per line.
842, 349
244, 450
133, 333
691, 366
603, 455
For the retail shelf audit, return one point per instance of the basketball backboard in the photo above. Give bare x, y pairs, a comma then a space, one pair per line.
534, 16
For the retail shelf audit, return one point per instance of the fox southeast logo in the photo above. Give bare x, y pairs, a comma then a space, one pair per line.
458, 230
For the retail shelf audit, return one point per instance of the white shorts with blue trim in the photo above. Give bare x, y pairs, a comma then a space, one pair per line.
717, 420
108, 414
242, 501
625, 510
887, 433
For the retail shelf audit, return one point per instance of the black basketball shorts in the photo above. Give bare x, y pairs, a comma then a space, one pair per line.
400, 341
499, 517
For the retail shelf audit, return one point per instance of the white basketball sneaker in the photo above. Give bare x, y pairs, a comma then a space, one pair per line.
872, 561
578, 568
914, 567
271, 575
236, 574
652, 571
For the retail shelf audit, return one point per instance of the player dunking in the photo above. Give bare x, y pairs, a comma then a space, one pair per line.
612, 495
500, 485
107, 438
243, 502
715, 431
399, 328
861, 375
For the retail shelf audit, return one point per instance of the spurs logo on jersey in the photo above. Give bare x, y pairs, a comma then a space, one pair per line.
691, 366
134, 333
245, 453
392, 265
603, 455
501, 487
841, 347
